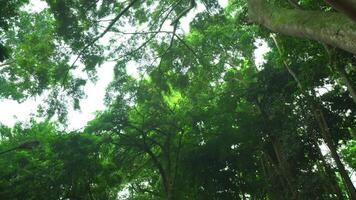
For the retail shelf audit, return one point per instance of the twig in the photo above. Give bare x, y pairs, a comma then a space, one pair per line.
142, 33
7, 63
186, 45
154, 35
112, 23
184, 12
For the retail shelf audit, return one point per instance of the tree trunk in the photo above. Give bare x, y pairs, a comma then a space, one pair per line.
273, 166
331, 28
284, 166
348, 82
341, 168
329, 173
280, 165
324, 129
169, 190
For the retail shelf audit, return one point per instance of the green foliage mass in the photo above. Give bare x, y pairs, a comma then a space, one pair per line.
201, 120
63, 165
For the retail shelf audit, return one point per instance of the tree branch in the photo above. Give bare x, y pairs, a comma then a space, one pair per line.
184, 12
112, 23
331, 28
154, 33
142, 33
347, 7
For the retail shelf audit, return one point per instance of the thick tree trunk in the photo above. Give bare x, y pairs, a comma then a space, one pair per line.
169, 191
331, 28
274, 172
352, 11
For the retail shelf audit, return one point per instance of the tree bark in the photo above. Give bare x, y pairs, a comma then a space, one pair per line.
284, 167
273, 166
160, 168
329, 173
324, 129
340, 70
327, 137
347, 7
331, 28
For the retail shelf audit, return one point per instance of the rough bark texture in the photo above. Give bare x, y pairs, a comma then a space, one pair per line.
331, 28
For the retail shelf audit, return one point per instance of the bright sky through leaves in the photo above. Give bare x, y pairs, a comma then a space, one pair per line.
177, 99
13, 111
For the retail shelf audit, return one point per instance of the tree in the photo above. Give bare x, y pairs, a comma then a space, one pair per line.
203, 120
74, 166
331, 28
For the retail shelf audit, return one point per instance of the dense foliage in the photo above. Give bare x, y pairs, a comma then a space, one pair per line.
202, 119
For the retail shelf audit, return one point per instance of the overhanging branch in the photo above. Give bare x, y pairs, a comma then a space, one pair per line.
331, 28
347, 7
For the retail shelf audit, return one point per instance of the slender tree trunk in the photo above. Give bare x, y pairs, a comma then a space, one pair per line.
267, 176
280, 165
331, 28
169, 190
169, 175
283, 165
327, 137
340, 70
329, 173
160, 168
325, 132
350, 87
273, 166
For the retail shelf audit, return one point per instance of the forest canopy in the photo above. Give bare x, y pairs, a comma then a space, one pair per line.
201, 119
